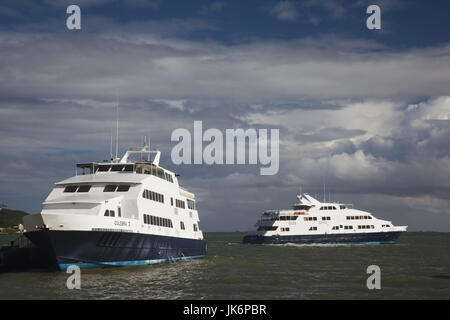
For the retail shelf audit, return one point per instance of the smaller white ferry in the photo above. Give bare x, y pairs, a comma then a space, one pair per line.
311, 221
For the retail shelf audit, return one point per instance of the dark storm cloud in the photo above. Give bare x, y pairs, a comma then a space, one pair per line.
371, 121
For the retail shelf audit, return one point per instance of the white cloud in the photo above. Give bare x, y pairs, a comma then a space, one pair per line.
437, 109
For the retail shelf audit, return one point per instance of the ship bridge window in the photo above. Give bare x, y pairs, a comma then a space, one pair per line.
342, 207
70, 189
301, 207
123, 188
84, 188
117, 167
129, 168
109, 213
114, 188
168, 177
110, 188
103, 168
328, 208
149, 168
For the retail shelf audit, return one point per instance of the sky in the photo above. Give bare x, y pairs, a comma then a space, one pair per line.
364, 111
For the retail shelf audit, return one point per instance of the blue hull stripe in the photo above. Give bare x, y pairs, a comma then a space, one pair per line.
64, 266
364, 242
347, 238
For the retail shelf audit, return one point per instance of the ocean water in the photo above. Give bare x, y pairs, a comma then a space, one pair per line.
417, 266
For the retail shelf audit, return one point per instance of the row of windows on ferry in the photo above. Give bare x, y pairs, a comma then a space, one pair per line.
151, 195
295, 218
358, 217
284, 218
164, 222
333, 207
351, 227
315, 218
329, 218
157, 221
181, 204
346, 227
155, 196
139, 168
86, 188
273, 228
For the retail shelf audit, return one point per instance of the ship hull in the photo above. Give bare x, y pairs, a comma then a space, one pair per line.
373, 237
102, 248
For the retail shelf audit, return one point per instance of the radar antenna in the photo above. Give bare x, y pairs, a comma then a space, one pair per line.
117, 128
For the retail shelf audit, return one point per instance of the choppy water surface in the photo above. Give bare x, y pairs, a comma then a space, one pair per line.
416, 267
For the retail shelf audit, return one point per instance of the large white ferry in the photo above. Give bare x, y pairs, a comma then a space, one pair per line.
118, 213
311, 221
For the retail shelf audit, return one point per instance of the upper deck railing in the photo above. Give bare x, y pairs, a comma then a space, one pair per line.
137, 168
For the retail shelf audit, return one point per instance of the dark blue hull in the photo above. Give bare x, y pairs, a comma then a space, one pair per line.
91, 248
373, 237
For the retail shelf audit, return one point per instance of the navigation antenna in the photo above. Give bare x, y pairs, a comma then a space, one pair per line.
117, 127
111, 148
324, 199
